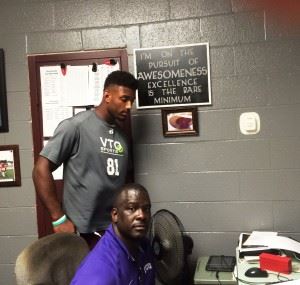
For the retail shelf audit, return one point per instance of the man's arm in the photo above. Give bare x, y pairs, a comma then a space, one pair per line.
45, 188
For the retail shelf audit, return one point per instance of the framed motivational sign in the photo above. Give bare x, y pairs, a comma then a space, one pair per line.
173, 76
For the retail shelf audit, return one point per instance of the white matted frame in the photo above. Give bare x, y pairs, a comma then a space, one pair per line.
180, 122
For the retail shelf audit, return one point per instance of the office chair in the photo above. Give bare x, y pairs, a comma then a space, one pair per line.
51, 260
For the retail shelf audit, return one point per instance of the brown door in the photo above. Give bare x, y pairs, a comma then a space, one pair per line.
63, 59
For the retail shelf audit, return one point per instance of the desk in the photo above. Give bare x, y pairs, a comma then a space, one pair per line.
243, 266
203, 276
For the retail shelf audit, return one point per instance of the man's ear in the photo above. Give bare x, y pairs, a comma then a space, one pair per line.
114, 215
107, 95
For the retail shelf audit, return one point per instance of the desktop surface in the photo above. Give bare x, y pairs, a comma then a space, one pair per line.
273, 277
250, 249
202, 276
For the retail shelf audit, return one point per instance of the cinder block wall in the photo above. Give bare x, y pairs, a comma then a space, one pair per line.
220, 183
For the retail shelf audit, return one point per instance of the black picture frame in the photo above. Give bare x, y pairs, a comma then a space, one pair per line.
10, 173
180, 122
3, 97
173, 76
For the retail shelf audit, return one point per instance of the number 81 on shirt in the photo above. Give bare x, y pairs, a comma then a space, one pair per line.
112, 167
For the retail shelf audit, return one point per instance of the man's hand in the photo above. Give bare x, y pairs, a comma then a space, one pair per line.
66, 227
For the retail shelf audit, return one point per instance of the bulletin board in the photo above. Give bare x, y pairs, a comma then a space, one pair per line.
53, 78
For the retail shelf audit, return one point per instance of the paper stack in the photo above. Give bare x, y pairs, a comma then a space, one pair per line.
253, 244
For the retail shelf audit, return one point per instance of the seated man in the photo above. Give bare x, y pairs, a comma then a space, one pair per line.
123, 255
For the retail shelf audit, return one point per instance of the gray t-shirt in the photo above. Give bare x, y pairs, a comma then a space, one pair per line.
95, 158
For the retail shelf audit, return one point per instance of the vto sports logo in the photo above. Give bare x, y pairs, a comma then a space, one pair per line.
111, 146
119, 148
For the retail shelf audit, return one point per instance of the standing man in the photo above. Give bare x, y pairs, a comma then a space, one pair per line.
94, 152
123, 256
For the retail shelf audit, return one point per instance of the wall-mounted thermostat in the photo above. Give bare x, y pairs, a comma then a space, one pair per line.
249, 123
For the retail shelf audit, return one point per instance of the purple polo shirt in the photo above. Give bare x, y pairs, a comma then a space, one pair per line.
110, 263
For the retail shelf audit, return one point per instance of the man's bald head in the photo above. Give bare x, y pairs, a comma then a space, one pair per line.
118, 197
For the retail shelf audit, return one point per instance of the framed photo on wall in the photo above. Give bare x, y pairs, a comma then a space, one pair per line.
10, 174
3, 100
180, 122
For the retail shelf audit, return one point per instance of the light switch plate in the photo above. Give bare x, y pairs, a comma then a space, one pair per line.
249, 123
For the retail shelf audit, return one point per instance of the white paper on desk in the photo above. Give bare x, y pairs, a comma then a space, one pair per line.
259, 238
292, 282
249, 248
254, 258
284, 243
253, 248
276, 242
